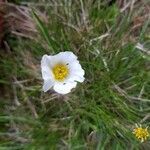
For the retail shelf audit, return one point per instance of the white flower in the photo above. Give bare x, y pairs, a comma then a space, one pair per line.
61, 71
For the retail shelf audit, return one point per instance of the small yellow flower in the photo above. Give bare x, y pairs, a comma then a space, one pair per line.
141, 133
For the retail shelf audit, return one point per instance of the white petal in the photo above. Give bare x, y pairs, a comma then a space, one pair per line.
76, 78
64, 88
65, 57
46, 60
76, 72
47, 85
46, 67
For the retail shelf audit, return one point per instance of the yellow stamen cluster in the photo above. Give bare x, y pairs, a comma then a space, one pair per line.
60, 72
141, 133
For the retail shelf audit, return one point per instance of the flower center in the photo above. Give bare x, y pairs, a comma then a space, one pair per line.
60, 72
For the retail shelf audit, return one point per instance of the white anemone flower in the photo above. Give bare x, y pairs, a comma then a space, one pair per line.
61, 72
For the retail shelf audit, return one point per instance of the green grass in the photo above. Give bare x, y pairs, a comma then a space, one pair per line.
100, 113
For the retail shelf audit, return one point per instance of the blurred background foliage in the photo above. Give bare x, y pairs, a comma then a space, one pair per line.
111, 39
